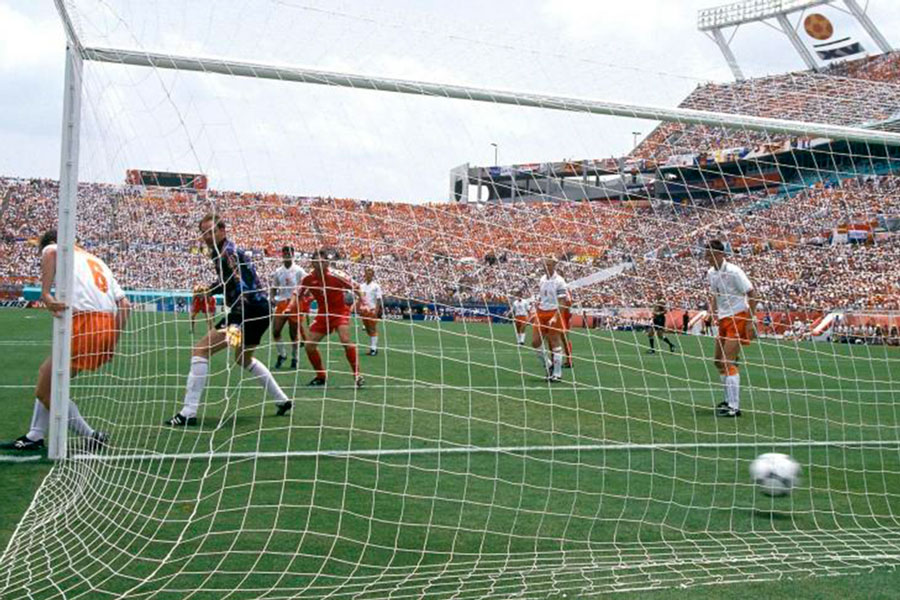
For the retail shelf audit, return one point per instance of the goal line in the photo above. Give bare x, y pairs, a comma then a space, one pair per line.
375, 452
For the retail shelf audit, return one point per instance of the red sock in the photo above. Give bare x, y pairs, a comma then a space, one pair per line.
350, 351
316, 361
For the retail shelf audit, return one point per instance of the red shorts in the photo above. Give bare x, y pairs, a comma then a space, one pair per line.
202, 304
94, 338
547, 320
325, 324
736, 327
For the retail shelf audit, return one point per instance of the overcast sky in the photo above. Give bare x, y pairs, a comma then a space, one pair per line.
310, 140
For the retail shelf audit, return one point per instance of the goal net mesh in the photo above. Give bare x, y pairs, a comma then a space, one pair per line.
458, 471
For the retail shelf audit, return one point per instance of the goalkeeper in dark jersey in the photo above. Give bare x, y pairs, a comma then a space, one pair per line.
246, 319
658, 328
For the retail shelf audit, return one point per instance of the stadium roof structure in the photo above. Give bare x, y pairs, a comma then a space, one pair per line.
712, 21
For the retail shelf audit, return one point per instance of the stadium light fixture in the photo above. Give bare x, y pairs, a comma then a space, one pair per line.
748, 11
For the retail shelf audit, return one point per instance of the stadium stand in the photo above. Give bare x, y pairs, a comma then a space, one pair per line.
830, 245
861, 92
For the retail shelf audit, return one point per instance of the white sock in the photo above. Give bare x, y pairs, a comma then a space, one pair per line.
373, 342
264, 378
77, 422
282, 351
732, 387
520, 337
196, 381
557, 362
542, 357
40, 420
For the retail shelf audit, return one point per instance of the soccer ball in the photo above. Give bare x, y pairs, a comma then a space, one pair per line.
775, 474
233, 336
818, 27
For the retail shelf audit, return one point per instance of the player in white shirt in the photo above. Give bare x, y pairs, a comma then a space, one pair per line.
371, 308
284, 281
733, 302
520, 309
553, 296
99, 314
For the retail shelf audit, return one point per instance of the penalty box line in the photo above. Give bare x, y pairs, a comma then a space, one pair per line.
376, 452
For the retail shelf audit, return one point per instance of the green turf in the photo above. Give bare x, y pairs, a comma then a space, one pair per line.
492, 524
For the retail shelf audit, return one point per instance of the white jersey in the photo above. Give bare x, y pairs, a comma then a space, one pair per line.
96, 288
371, 293
521, 307
286, 280
730, 285
551, 290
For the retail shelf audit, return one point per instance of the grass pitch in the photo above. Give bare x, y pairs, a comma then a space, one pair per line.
618, 479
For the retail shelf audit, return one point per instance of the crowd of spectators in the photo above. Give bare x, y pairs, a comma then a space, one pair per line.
791, 246
881, 67
854, 93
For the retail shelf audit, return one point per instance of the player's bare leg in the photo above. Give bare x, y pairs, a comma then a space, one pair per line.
567, 348
662, 335
315, 359
651, 339
555, 341
293, 331
537, 342
343, 332
303, 330
725, 357
520, 331
371, 327
243, 356
277, 325
212, 343
40, 418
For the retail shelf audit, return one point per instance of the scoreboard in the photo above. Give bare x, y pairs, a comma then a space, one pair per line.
168, 179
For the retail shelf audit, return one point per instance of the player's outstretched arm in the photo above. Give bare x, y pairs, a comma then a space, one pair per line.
48, 274
122, 314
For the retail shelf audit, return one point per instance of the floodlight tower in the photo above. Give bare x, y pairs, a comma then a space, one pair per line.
712, 21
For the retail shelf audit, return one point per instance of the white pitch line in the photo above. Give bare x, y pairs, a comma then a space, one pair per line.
435, 385
481, 450
19, 459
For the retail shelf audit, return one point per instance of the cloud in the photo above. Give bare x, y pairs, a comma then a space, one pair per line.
28, 42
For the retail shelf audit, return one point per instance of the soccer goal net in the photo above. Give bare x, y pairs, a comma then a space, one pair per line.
481, 430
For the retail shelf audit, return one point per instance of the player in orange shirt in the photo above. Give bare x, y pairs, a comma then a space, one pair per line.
202, 303
99, 313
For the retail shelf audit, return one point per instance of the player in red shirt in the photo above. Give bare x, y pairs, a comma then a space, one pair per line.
202, 303
329, 289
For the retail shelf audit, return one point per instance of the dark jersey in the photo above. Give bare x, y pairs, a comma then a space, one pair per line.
659, 318
236, 277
